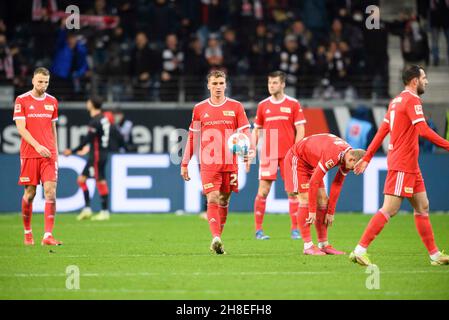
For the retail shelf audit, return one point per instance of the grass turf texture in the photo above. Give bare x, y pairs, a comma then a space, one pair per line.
167, 257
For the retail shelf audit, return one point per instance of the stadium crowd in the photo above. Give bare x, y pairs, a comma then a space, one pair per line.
152, 49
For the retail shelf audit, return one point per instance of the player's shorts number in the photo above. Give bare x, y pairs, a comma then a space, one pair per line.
233, 179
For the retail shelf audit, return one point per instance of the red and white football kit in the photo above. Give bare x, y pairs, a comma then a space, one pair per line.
211, 126
309, 160
278, 120
405, 122
38, 113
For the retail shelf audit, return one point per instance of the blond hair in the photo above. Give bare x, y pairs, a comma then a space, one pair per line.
41, 70
357, 153
216, 74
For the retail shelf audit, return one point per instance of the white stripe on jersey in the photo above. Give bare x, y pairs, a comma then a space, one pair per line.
418, 120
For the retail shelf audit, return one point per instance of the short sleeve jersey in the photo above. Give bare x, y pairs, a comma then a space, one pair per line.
278, 120
38, 113
323, 150
216, 123
403, 113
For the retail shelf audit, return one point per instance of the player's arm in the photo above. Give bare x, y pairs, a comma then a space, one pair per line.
361, 165
84, 141
191, 145
55, 135
336, 186
426, 132
300, 131
314, 185
26, 135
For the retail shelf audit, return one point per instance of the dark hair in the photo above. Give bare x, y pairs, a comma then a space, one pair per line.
279, 74
411, 73
96, 102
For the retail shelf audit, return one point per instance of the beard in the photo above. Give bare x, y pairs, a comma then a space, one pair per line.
420, 89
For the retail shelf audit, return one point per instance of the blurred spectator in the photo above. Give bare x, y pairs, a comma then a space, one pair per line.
439, 21
375, 43
315, 15
289, 61
303, 35
215, 14
145, 69
69, 67
425, 146
195, 70
172, 64
13, 68
127, 11
125, 127
214, 53
43, 39
260, 59
414, 43
360, 131
100, 8
161, 20
246, 15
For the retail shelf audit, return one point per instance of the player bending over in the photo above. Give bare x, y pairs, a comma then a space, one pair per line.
306, 163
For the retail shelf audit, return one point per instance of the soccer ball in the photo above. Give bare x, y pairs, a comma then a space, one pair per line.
238, 143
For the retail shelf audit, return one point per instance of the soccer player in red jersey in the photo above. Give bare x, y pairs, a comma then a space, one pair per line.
282, 122
213, 121
35, 114
405, 122
306, 163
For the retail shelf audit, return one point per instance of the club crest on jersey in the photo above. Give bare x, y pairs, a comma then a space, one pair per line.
229, 113
418, 109
49, 107
329, 164
17, 108
286, 110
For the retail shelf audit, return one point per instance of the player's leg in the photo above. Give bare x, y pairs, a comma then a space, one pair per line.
420, 203
223, 205
86, 212
49, 213
259, 207
213, 217
389, 209
29, 178
103, 190
304, 227
49, 178
27, 212
293, 204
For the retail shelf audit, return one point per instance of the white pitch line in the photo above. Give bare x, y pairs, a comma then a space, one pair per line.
202, 274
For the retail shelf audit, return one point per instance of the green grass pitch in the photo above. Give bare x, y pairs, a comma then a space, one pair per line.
163, 256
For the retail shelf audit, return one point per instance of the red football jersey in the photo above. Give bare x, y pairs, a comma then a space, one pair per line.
278, 119
39, 113
215, 123
324, 150
403, 113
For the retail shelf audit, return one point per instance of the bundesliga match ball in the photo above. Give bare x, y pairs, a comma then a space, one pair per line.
238, 144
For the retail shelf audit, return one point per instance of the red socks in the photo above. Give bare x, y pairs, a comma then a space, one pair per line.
374, 227
424, 228
223, 213
102, 188
213, 217
49, 215
304, 227
293, 203
27, 211
259, 211
321, 228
